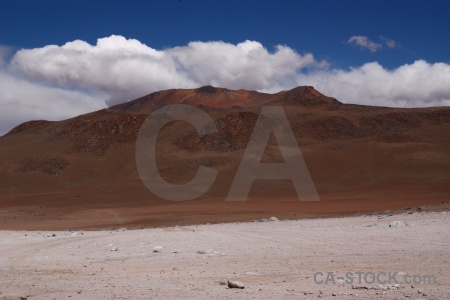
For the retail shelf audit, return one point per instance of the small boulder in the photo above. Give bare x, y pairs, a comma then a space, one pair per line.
235, 284
397, 224
157, 249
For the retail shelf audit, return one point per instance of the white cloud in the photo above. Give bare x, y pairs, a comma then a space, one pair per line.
126, 69
51, 82
411, 85
247, 65
364, 43
21, 101
388, 42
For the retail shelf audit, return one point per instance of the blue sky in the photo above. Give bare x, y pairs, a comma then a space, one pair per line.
322, 27
334, 45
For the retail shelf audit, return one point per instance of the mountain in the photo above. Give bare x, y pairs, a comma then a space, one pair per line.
81, 172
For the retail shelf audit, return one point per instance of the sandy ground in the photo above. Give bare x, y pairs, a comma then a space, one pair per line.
276, 259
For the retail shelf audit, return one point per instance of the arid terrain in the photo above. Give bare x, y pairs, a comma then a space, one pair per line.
81, 173
273, 260
76, 220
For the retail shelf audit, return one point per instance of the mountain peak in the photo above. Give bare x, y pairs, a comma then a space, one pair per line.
207, 89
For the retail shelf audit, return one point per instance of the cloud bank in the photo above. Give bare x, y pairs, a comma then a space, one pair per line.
411, 85
56, 82
126, 69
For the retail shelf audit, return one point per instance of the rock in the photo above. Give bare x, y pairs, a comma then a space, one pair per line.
157, 249
114, 249
273, 219
223, 282
208, 252
235, 284
51, 235
333, 294
397, 224
359, 287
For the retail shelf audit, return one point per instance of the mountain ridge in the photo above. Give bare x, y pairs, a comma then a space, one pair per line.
81, 169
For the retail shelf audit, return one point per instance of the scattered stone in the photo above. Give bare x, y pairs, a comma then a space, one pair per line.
359, 287
224, 282
208, 252
235, 284
370, 225
122, 229
114, 249
51, 235
157, 249
273, 219
397, 224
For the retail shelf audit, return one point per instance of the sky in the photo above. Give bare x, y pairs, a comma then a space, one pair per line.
59, 59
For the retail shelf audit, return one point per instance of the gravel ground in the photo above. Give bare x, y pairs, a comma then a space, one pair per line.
273, 259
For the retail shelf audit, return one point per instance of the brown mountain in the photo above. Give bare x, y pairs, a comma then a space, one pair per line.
81, 172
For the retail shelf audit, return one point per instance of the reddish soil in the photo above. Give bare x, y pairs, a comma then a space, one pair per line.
81, 172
